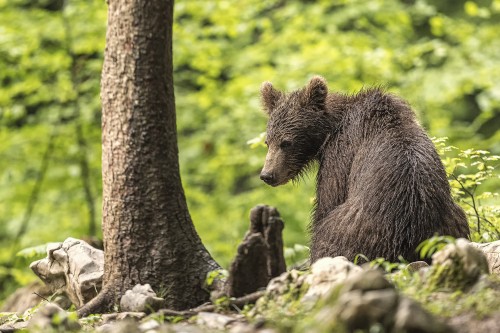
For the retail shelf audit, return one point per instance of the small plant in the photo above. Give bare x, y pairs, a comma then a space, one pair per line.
388, 266
222, 303
91, 319
359, 257
430, 246
215, 275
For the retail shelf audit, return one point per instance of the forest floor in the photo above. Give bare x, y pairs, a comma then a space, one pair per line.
334, 295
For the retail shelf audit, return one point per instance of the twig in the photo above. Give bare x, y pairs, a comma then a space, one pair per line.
473, 205
238, 302
41, 296
497, 232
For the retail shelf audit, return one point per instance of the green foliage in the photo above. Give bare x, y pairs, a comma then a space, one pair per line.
34, 252
50, 60
91, 319
430, 246
387, 266
479, 302
218, 274
442, 56
474, 182
222, 303
283, 308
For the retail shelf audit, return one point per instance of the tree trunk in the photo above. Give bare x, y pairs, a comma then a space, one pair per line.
148, 233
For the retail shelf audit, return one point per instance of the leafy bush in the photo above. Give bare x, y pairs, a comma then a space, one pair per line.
472, 174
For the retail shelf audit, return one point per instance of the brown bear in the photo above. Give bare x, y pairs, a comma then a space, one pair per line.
381, 187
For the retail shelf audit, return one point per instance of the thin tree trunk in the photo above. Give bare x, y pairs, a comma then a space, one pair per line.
148, 233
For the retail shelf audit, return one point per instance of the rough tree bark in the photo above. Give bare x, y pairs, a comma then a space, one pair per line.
148, 233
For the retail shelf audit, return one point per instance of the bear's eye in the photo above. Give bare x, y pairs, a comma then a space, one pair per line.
285, 144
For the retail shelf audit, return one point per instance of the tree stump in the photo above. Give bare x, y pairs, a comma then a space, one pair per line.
260, 254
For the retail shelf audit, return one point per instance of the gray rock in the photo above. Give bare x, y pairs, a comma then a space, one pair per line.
368, 302
13, 327
122, 326
73, 267
214, 321
130, 315
51, 316
457, 266
282, 292
281, 284
416, 266
411, 317
149, 325
109, 317
115, 316
180, 328
492, 253
327, 273
141, 298
242, 328
361, 310
367, 281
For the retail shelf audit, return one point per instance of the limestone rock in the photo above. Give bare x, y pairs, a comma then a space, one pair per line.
149, 325
327, 273
367, 281
283, 283
417, 266
283, 292
141, 298
122, 326
411, 317
180, 328
13, 327
214, 320
457, 266
492, 253
369, 302
73, 267
50, 316
360, 310
367, 298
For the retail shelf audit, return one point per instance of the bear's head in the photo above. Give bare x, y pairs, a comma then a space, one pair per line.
297, 127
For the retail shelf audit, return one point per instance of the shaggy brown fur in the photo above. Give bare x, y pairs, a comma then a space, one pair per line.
381, 187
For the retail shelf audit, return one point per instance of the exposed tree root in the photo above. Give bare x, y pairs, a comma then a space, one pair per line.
101, 303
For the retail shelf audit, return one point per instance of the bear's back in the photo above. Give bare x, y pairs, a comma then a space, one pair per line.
381, 184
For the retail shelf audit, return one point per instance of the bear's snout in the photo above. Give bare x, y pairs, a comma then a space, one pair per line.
267, 177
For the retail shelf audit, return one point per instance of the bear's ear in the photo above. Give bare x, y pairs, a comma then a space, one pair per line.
316, 92
269, 96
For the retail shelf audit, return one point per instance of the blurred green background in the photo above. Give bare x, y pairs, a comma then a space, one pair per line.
442, 56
